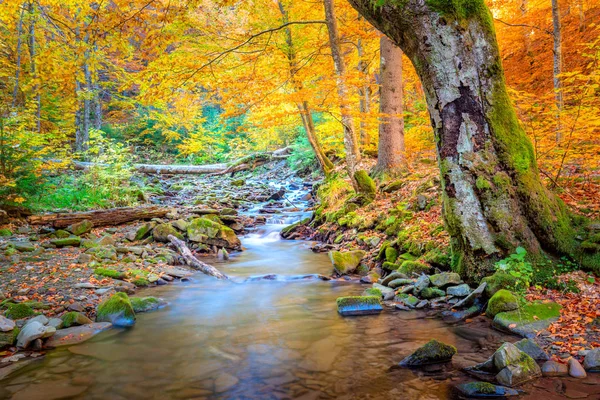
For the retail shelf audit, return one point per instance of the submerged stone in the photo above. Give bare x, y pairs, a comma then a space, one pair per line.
77, 334
145, 304
359, 305
575, 369
433, 352
482, 390
346, 263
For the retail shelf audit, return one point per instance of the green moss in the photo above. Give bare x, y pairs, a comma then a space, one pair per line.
36, 305
431, 293
346, 262
144, 304
482, 387
5, 232
530, 313
461, 9
409, 267
373, 292
388, 266
141, 282
291, 228
391, 254
590, 247
434, 351
19, 311
499, 280
357, 300
437, 258
595, 238
482, 183
74, 318
116, 310
382, 250
502, 301
365, 184
110, 273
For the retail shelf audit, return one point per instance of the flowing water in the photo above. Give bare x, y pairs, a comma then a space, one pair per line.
256, 340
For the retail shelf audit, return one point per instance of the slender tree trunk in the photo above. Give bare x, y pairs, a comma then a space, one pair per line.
97, 107
390, 155
526, 30
558, 67
32, 68
493, 197
363, 94
581, 15
350, 142
303, 107
18, 66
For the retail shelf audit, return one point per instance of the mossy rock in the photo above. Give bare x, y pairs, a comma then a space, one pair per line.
346, 262
18, 311
502, 301
117, 310
238, 182
144, 231
74, 318
359, 305
79, 228
8, 339
214, 218
437, 258
373, 292
433, 352
393, 186
61, 234
391, 254
161, 232
499, 280
71, 241
388, 266
416, 267
141, 282
432, 293
365, 184
202, 230
5, 232
288, 230
445, 279
110, 273
529, 319
88, 244
407, 299
145, 304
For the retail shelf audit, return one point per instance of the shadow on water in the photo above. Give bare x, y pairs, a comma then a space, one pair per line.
257, 340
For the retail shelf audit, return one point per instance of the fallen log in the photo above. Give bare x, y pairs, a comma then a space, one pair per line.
113, 216
192, 261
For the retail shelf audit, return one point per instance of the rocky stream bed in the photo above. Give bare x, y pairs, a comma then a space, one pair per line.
114, 312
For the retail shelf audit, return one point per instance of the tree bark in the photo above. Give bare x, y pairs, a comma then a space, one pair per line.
18, 63
113, 216
390, 156
303, 106
32, 68
558, 67
493, 197
350, 141
364, 93
193, 261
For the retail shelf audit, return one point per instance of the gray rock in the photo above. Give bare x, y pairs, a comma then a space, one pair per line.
575, 369
384, 289
407, 289
40, 318
84, 258
552, 368
470, 299
445, 279
592, 360
396, 283
30, 332
50, 331
531, 348
514, 365
459, 291
77, 334
6, 325
55, 322
506, 355
85, 285
23, 247
478, 390
433, 352
421, 283
394, 275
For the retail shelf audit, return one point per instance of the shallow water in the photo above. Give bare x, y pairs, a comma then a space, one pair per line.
256, 340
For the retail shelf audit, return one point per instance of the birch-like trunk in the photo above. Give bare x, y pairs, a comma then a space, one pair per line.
558, 67
18, 63
350, 141
32, 68
364, 93
390, 155
493, 197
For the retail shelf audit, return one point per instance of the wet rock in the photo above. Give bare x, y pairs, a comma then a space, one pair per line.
74, 318
503, 300
532, 349
445, 279
117, 310
514, 365
162, 231
479, 390
421, 283
459, 291
145, 304
77, 334
470, 299
454, 316
290, 230
52, 390
528, 320
434, 352
71, 241
553, 368
592, 360
80, 228
203, 230
575, 369
31, 331
178, 273
6, 325
359, 305
346, 263
506, 355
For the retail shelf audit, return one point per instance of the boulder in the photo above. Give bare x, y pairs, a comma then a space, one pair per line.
144, 231
532, 349
515, 366
528, 320
421, 283
23, 247
117, 310
477, 390
409, 267
499, 280
445, 279
359, 305
501, 301
31, 331
433, 352
346, 262
162, 231
74, 318
506, 355
592, 360
203, 230
6, 325
82, 227
407, 300
470, 299
18, 311
432, 293
393, 276
575, 369
553, 368
396, 283
77, 334
458, 291
145, 304
71, 241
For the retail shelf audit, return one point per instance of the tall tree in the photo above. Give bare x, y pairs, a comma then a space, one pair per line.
32, 66
350, 141
494, 199
558, 66
18, 52
390, 155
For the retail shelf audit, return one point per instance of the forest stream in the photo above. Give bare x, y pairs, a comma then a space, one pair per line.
267, 340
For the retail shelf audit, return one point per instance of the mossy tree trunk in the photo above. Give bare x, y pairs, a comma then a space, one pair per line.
493, 197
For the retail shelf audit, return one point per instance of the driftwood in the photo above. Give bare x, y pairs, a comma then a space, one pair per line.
193, 261
113, 216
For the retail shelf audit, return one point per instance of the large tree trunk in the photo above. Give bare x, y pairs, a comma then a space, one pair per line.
364, 94
113, 216
493, 197
303, 107
18, 52
558, 66
350, 141
390, 155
